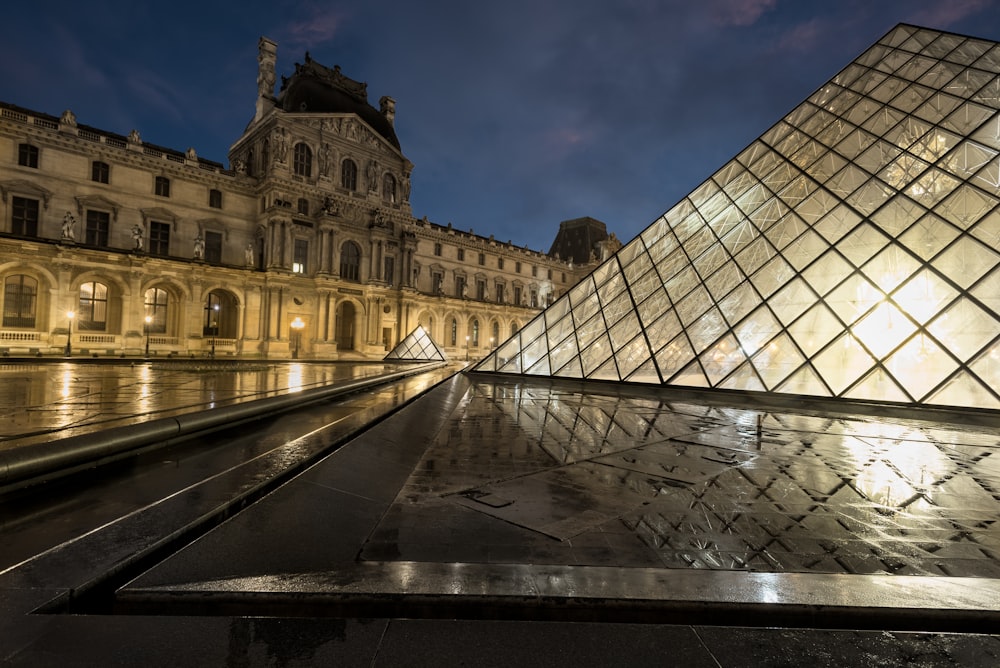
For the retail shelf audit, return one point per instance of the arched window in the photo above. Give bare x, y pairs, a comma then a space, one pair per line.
495, 337
302, 159
213, 313
92, 315
349, 175
389, 188
513, 328
20, 296
156, 309
475, 332
454, 332
350, 262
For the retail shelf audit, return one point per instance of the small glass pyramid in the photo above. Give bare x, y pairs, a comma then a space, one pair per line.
851, 251
417, 346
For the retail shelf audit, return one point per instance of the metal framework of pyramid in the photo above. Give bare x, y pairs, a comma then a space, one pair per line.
417, 346
850, 251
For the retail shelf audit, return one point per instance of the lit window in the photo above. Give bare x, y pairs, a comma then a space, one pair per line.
92, 314
301, 255
156, 310
20, 296
475, 332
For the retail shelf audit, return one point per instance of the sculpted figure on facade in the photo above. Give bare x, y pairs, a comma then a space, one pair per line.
68, 118
248, 255
265, 70
133, 137
137, 237
69, 227
324, 160
280, 144
371, 173
199, 247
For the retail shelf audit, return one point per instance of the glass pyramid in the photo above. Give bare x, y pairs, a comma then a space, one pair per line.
417, 346
851, 251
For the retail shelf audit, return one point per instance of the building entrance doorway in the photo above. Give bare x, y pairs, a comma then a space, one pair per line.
346, 315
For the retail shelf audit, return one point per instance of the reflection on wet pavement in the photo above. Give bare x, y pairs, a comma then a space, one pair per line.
560, 477
46, 401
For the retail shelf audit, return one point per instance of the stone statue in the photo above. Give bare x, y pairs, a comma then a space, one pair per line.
133, 137
280, 144
324, 160
190, 154
69, 227
199, 247
371, 172
248, 255
137, 236
406, 188
266, 54
68, 118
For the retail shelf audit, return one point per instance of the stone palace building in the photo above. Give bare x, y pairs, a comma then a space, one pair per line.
305, 246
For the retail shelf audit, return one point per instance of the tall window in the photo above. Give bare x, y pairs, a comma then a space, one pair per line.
461, 255
517, 296
302, 158
437, 249
517, 267
303, 206
454, 331
460, 286
482, 258
92, 315
534, 271
20, 295
534, 299
215, 198
480, 290
213, 314
499, 263
390, 269
161, 186
350, 262
213, 247
99, 171
495, 337
475, 332
300, 255
98, 225
27, 155
500, 294
436, 280
389, 188
24, 216
349, 175
159, 238
157, 301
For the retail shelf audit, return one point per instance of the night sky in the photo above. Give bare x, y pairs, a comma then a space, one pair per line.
517, 114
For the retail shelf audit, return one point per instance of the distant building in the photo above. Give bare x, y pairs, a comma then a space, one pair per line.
583, 241
310, 223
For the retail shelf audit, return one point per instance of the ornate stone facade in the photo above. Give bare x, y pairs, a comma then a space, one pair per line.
310, 223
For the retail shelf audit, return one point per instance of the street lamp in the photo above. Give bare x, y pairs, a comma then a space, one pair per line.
466, 348
297, 326
69, 333
145, 330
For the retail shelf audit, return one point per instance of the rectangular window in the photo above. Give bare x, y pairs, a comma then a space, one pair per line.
98, 225
213, 247
390, 270
215, 198
20, 293
100, 172
461, 255
499, 263
548, 274
534, 299
436, 279
301, 256
437, 249
460, 286
162, 186
159, 238
517, 267
517, 296
24, 219
499, 293
480, 290
534, 270
303, 207
27, 155
564, 277
482, 258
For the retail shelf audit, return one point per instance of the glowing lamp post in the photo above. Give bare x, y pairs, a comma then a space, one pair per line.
69, 333
297, 326
145, 330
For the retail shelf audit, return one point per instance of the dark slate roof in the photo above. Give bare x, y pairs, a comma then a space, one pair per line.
577, 238
314, 88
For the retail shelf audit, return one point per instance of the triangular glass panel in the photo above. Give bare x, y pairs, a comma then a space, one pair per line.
417, 346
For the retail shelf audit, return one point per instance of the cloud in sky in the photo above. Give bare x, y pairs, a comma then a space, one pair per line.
739, 12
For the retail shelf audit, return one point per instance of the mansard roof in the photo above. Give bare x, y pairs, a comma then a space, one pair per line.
315, 88
849, 252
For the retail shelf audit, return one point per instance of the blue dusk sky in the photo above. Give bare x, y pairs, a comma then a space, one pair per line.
516, 114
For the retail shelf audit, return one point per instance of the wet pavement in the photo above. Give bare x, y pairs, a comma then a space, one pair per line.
52, 400
496, 521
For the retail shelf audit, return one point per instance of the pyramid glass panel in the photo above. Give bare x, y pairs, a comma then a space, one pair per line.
849, 252
417, 346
